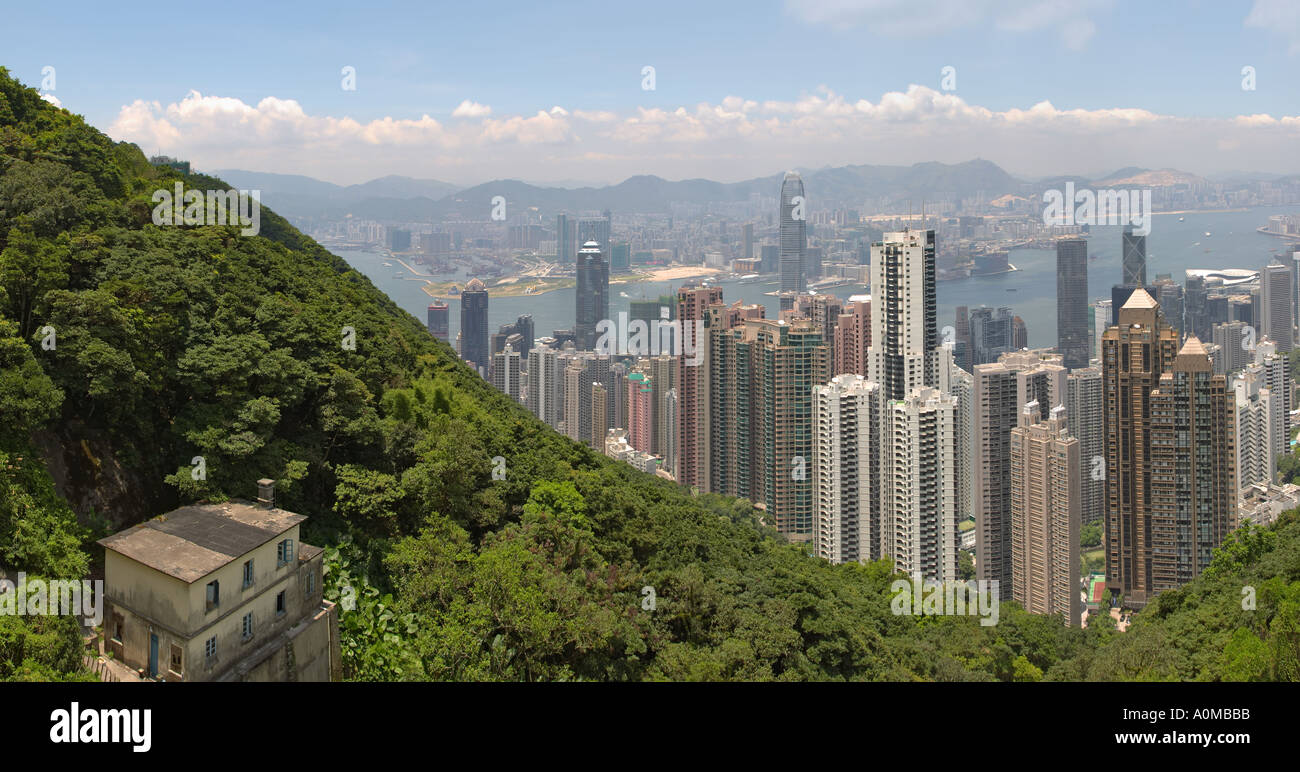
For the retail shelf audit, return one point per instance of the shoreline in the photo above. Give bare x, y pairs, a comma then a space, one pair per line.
511, 286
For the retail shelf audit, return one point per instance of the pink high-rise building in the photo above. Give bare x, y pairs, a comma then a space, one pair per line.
640, 411
852, 337
692, 387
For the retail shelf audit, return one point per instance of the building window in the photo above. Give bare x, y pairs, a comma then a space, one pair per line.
177, 658
284, 552
210, 650
279, 603
248, 574
248, 625
118, 626
311, 584
214, 594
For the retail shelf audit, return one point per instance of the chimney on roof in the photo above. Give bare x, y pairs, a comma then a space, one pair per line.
266, 492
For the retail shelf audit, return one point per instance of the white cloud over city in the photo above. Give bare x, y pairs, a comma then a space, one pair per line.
735, 138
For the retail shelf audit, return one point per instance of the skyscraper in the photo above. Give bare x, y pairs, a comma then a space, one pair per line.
580, 370
599, 415
1001, 390
921, 486
1231, 338
852, 338
1193, 468
1085, 415
1275, 304
904, 353
592, 295
1134, 275
565, 240
1171, 299
598, 229
1135, 353
505, 372
663, 379
1256, 420
1101, 321
660, 309
962, 347
545, 392
474, 326
1196, 312
576, 387
847, 421
794, 234
640, 409
438, 318
669, 451
991, 334
918, 451
1135, 258
1275, 369
1045, 515
1072, 300
693, 386
823, 311
761, 430
1019, 334
1295, 287
962, 386
523, 326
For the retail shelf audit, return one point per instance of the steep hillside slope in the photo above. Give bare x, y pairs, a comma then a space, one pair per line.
172, 343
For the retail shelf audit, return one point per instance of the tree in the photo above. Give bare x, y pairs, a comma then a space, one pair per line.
28, 398
1245, 658
29, 268
367, 498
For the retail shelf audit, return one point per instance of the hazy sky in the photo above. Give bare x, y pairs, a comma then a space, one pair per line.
471, 91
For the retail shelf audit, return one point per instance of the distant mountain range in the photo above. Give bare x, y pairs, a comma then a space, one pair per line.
397, 198
295, 195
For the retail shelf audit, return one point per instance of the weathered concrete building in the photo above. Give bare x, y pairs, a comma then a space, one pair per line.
220, 592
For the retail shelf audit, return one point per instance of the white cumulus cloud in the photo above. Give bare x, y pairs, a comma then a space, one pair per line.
468, 109
735, 138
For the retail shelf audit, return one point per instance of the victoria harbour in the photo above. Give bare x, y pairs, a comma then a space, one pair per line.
1177, 242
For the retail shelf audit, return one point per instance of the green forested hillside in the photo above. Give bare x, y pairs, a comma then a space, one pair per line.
175, 342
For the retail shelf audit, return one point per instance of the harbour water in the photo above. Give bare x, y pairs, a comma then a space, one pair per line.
1030, 292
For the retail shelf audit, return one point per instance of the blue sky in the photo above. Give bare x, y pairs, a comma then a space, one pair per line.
1179, 59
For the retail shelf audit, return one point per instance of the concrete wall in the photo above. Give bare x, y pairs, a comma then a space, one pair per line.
266, 573
147, 602
310, 648
150, 602
233, 651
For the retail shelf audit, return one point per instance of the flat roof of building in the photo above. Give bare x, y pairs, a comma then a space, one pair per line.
191, 542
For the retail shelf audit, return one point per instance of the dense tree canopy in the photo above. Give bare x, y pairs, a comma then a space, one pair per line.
176, 343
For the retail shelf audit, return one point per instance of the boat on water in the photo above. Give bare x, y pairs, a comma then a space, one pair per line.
750, 278
622, 294
387, 264
1180, 219
1207, 233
